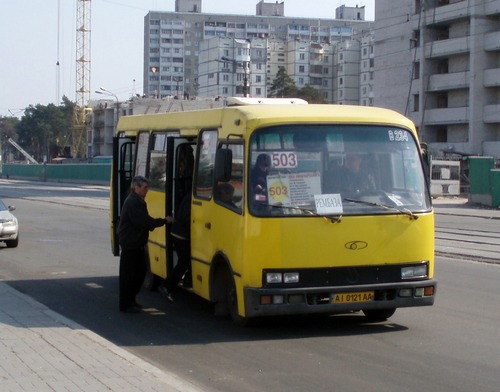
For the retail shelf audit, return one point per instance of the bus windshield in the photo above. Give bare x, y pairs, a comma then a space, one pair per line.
335, 170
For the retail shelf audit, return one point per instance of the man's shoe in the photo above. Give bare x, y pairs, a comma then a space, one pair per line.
164, 291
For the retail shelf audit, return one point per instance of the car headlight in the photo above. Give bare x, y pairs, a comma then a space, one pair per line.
8, 222
415, 271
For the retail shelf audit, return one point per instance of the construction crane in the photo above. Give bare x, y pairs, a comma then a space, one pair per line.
22, 151
83, 54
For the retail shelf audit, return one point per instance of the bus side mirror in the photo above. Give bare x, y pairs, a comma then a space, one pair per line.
427, 159
223, 164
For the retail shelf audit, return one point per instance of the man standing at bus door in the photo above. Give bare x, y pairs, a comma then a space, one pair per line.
181, 237
133, 233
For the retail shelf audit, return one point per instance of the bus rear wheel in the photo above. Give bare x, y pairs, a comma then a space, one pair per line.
378, 314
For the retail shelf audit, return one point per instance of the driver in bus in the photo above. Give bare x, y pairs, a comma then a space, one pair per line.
354, 178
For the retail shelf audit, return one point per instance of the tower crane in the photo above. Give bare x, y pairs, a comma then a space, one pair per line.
83, 60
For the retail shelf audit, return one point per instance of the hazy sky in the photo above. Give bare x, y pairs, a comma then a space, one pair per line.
36, 34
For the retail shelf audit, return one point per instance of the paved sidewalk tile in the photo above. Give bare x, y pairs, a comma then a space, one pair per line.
41, 350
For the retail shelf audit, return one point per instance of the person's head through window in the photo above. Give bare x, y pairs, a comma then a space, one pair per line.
353, 162
260, 172
224, 193
263, 163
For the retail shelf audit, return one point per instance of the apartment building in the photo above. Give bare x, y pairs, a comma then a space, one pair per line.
175, 43
438, 62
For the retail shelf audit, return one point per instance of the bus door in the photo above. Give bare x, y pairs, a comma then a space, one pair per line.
180, 164
121, 177
217, 213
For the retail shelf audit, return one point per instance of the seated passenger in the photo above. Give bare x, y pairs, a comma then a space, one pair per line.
224, 193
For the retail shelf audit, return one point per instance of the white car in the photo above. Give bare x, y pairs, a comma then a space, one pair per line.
9, 228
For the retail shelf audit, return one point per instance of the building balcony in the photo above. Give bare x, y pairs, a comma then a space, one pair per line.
492, 7
491, 114
450, 81
447, 48
492, 77
447, 116
492, 41
447, 13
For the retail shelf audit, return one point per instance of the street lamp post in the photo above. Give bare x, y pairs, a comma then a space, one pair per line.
104, 91
177, 79
246, 72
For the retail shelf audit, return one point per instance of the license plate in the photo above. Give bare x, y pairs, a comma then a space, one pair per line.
347, 298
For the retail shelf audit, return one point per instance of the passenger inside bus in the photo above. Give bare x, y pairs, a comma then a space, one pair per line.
258, 178
184, 175
224, 194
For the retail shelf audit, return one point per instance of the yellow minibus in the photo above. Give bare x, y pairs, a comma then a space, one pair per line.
296, 209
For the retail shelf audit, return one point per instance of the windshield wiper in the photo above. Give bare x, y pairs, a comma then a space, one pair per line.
332, 218
404, 211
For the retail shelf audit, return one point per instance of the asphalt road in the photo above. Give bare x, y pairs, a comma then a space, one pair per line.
64, 261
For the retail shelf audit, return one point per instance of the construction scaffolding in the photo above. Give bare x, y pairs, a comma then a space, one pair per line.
83, 60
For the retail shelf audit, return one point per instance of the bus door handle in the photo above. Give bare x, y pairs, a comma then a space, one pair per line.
208, 225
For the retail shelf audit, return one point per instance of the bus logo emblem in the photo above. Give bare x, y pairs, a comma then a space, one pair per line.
356, 245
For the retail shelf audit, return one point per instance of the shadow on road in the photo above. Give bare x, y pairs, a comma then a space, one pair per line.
93, 303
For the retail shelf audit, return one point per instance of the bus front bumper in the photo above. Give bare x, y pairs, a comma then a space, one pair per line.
339, 299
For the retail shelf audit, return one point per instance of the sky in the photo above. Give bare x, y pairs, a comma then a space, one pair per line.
35, 35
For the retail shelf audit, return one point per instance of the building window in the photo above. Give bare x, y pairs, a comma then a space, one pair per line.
416, 71
416, 102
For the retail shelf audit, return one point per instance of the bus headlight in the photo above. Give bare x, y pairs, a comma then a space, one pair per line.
414, 271
291, 277
282, 277
274, 277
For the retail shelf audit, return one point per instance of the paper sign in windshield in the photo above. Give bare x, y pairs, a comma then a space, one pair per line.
293, 189
328, 204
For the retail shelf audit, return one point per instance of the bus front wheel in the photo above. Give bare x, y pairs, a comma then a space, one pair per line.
232, 300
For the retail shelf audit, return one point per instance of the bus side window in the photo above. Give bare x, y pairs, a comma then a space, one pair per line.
229, 191
205, 161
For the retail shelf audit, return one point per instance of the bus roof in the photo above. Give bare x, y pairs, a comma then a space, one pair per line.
236, 119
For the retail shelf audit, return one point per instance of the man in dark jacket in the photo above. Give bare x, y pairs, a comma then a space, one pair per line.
181, 237
133, 233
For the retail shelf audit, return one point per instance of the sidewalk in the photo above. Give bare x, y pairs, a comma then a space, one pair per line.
41, 350
460, 206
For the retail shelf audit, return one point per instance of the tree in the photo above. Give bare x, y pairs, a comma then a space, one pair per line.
283, 85
311, 94
7, 130
42, 127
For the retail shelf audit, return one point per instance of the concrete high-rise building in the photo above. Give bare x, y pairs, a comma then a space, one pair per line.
270, 9
438, 62
174, 41
350, 13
